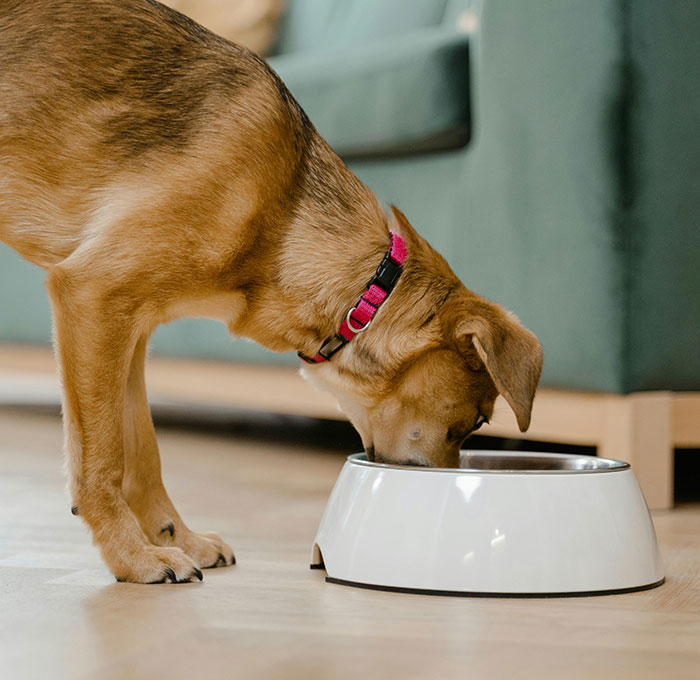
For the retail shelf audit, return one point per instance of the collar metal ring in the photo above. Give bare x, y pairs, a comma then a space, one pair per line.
351, 327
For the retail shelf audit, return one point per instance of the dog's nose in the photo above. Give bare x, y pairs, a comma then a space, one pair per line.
369, 452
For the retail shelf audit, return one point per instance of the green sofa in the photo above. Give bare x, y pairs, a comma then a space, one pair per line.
547, 148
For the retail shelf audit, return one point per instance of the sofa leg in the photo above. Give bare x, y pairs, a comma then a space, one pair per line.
637, 428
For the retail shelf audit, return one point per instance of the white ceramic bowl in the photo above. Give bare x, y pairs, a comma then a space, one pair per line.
509, 524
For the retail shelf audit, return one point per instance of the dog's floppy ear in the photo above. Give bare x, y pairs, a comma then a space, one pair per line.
511, 354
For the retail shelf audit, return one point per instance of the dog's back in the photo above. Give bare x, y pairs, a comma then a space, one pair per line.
118, 93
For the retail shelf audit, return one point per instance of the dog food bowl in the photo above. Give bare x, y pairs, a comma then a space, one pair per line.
503, 524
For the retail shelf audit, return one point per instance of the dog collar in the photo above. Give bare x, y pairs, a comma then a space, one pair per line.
360, 316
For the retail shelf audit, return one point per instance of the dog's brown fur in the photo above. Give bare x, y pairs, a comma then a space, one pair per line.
155, 170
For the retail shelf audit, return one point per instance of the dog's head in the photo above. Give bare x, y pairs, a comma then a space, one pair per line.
426, 377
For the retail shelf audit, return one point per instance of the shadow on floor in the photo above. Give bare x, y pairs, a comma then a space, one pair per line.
686, 475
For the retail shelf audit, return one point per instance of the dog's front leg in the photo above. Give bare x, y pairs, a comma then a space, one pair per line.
143, 485
95, 325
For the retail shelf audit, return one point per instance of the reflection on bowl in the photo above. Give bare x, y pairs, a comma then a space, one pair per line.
502, 524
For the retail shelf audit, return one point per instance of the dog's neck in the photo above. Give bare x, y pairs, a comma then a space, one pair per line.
333, 277
322, 274
364, 311
321, 270
324, 256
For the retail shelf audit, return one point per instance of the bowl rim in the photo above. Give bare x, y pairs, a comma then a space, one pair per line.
606, 465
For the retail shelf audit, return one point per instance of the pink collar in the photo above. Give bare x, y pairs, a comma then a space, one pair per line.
360, 316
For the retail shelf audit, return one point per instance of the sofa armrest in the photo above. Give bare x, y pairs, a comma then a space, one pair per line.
403, 95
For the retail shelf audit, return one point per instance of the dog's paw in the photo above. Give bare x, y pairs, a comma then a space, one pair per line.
208, 549
153, 564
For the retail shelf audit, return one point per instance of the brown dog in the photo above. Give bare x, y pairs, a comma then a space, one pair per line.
155, 170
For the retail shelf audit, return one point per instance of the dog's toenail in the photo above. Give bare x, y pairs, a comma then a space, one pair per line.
74, 510
198, 574
233, 560
168, 527
220, 561
170, 575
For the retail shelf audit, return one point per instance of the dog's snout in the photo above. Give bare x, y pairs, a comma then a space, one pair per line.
369, 452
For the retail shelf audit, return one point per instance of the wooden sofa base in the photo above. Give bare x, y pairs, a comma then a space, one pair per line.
642, 428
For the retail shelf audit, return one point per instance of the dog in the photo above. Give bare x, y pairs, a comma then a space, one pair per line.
156, 170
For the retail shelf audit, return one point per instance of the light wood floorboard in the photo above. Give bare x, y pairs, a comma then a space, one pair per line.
63, 616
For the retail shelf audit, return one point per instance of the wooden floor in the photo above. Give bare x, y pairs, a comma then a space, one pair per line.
63, 616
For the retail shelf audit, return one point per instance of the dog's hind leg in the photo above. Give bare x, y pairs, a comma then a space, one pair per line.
143, 484
95, 325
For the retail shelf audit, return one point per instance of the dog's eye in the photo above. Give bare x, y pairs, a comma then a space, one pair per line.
458, 433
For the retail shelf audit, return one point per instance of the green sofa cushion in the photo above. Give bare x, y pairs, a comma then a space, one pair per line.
405, 94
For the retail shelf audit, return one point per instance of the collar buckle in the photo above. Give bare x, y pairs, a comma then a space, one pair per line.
388, 273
